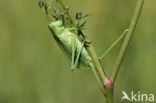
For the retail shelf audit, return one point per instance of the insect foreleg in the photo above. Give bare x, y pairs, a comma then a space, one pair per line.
114, 43
72, 29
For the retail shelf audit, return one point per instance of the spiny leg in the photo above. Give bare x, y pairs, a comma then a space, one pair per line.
79, 53
114, 43
73, 51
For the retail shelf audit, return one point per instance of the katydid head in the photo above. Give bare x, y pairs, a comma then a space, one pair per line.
56, 24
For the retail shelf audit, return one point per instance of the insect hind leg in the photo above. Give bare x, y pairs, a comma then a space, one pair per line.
73, 40
114, 43
75, 61
79, 54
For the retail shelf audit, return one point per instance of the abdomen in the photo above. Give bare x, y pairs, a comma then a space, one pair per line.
66, 42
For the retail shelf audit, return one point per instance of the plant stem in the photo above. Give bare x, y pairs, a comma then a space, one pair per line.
97, 64
109, 97
109, 91
92, 54
127, 39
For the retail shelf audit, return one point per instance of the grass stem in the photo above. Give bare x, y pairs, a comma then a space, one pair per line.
127, 39
92, 53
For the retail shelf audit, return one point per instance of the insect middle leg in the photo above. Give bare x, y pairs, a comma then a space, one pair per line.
75, 61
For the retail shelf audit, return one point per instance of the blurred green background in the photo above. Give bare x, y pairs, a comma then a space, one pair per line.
33, 69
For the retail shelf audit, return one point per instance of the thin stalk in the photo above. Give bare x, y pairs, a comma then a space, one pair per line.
92, 54
109, 97
98, 65
127, 39
109, 91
